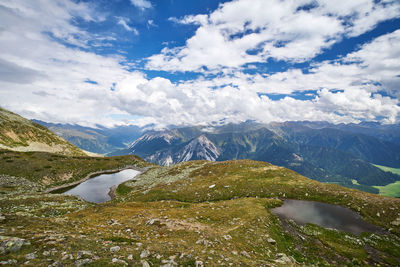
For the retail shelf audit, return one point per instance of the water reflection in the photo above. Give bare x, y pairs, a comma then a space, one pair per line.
96, 189
325, 215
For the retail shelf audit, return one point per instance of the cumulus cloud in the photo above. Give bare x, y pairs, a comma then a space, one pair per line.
142, 4
49, 75
247, 31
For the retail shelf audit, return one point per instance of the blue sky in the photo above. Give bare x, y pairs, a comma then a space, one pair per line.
200, 62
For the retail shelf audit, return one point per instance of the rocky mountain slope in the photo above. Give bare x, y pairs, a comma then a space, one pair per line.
20, 134
312, 149
197, 213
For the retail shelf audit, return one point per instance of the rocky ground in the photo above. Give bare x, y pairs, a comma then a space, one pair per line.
192, 214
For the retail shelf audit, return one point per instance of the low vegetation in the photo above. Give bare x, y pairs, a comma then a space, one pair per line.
20, 134
196, 213
392, 189
50, 170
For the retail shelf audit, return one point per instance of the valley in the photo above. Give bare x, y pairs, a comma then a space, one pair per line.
197, 212
243, 133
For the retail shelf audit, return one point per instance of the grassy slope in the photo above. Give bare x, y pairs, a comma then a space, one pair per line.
17, 132
228, 224
390, 190
49, 170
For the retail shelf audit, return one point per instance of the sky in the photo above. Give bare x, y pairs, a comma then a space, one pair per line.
190, 62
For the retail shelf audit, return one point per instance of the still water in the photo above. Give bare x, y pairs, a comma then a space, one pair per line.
325, 215
96, 189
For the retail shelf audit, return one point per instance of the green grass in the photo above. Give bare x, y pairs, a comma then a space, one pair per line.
390, 190
51, 170
389, 169
216, 212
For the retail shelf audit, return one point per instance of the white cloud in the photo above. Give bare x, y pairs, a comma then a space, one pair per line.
247, 31
142, 4
124, 23
44, 79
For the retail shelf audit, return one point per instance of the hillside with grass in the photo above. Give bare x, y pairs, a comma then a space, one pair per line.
197, 213
48, 170
392, 189
20, 134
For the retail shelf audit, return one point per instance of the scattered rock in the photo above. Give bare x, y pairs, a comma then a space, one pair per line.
56, 264
244, 253
46, 253
271, 241
2, 218
130, 257
113, 222
212, 186
155, 222
199, 264
31, 256
115, 260
83, 253
67, 256
10, 262
282, 258
11, 244
168, 263
203, 242
82, 262
227, 237
115, 249
144, 254
145, 263
396, 222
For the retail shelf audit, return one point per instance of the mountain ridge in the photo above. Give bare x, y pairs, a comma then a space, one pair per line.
321, 153
20, 134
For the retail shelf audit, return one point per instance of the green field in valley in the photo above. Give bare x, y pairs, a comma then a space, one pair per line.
393, 189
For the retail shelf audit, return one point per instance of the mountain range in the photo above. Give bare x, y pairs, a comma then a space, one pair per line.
197, 212
342, 153
98, 139
345, 154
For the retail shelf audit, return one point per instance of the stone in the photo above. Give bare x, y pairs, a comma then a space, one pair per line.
212, 186
82, 262
145, 263
227, 237
115, 260
271, 241
144, 254
2, 218
155, 222
130, 257
244, 253
115, 249
10, 262
56, 264
198, 264
283, 259
11, 244
46, 253
396, 222
83, 253
31, 256
67, 256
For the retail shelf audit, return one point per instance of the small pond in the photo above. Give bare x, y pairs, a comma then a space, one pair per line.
325, 215
97, 189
